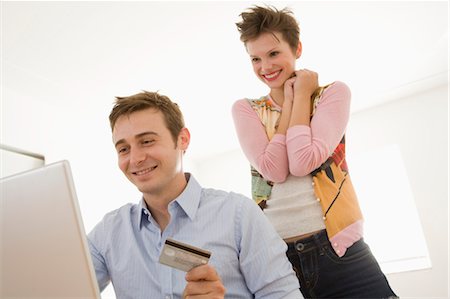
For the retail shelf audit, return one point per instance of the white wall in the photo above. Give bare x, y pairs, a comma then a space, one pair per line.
419, 125
14, 160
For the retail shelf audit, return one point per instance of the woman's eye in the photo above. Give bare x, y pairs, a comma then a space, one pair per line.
254, 59
275, 53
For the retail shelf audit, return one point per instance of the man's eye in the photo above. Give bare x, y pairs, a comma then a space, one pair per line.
147, 141
122, 150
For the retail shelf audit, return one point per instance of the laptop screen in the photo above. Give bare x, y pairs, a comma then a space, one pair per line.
44, 252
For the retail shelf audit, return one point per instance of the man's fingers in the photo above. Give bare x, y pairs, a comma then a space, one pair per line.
209, 288
203, 282
203, 272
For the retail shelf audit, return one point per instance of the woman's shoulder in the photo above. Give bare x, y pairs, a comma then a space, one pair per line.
240, 105
337, 87
240, 102
336, 91
252, 100
246, 104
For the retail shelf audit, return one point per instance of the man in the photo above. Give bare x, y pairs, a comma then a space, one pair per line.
248, 258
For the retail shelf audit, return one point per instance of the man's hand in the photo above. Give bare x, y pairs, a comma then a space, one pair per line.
203, 282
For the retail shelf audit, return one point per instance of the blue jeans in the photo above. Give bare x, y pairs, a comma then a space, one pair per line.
323, 274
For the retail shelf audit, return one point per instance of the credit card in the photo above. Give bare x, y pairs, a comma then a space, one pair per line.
183, 256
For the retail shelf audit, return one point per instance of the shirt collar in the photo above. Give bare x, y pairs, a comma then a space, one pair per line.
188, 200
142, 208
273, 102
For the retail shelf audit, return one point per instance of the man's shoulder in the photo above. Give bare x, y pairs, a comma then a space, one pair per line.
225, 198
222, 194
120, 214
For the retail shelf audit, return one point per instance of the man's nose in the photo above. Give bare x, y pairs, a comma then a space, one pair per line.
137, 155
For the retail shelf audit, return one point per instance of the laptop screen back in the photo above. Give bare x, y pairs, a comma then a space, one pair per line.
44, 252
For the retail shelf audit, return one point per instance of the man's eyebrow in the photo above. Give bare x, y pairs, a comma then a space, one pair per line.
146, 133
121, 141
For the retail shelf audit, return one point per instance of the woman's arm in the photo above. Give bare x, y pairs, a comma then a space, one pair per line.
309, 146
268, 157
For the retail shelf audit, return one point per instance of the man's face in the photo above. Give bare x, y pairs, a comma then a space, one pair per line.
147, 153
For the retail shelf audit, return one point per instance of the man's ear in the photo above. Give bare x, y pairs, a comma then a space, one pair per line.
183, 139
298, 52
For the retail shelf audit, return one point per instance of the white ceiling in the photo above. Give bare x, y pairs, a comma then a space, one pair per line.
82, 54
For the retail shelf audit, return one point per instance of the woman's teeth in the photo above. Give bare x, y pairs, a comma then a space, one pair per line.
272, 75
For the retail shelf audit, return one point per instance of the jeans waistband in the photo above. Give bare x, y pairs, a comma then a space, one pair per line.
309, 243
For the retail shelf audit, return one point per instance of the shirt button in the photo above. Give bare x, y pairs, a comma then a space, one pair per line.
338, 251
324, 218
335, 244
167, 297
318, 199
312, 183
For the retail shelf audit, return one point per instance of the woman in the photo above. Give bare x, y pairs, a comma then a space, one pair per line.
294, 140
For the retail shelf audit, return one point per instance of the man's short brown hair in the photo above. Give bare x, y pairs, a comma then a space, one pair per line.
145, 100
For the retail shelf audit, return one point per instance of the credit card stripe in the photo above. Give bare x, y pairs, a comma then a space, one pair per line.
181, 246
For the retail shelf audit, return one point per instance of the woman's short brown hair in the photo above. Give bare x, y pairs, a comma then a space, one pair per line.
257, 20
145, 100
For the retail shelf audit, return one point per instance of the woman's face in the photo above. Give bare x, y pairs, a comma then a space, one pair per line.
272, 58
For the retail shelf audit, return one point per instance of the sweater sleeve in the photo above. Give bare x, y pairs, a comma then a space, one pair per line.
268, 157
310, 146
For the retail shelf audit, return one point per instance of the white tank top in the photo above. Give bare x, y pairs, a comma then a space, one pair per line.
293, 208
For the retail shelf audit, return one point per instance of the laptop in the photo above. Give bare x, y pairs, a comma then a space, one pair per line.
43, 251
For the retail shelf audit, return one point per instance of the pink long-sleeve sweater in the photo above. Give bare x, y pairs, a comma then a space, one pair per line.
303, 148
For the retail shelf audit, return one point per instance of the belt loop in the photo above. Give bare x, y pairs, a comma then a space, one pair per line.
321, 241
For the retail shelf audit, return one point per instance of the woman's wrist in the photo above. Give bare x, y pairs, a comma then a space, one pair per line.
303, 97
287, 104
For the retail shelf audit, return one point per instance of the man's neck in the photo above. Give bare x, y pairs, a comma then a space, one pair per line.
158, 203
161, 214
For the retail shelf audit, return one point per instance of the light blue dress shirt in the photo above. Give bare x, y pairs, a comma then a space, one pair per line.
247, 253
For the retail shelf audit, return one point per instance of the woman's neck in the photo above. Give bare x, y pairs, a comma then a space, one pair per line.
277, 96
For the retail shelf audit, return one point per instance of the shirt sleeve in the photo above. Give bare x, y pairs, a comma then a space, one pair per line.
310, 146
95, 243
262, 256
268, 157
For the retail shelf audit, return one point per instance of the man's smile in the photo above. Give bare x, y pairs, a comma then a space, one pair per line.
144, 171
